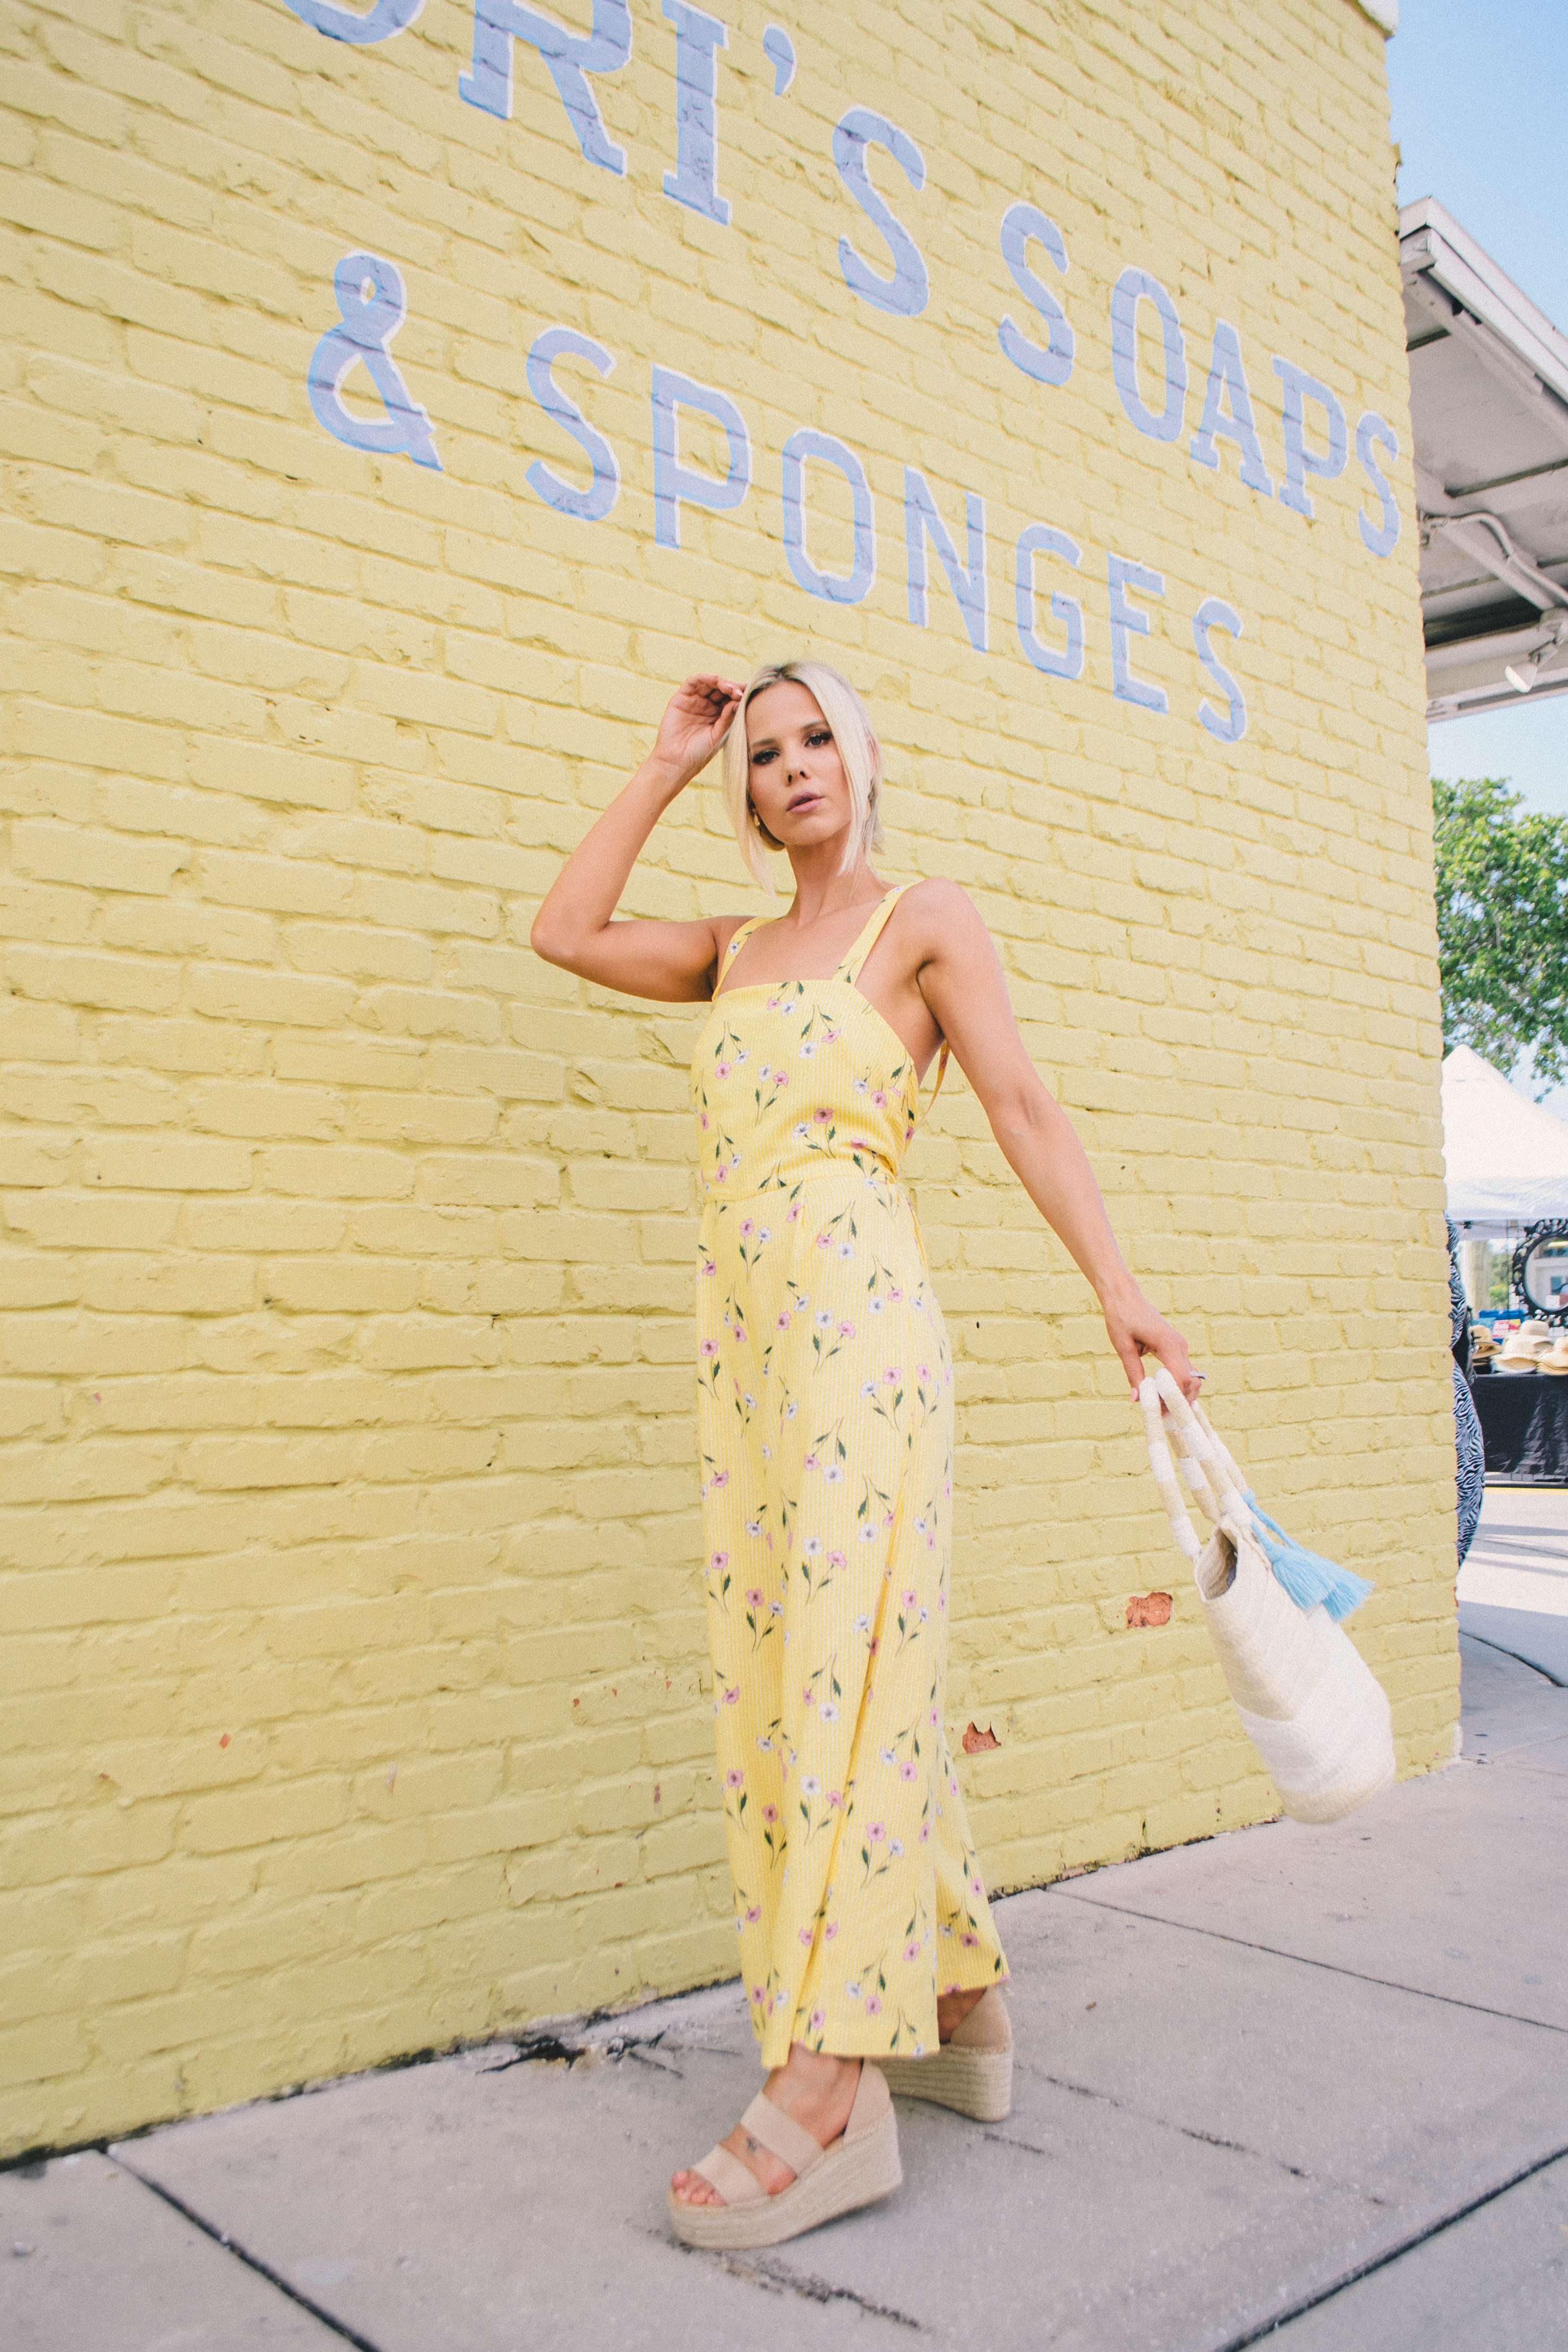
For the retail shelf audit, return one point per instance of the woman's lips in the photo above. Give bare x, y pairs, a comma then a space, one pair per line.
804, 800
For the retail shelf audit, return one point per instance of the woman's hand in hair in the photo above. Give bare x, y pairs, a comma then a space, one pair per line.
672, 962
698, 717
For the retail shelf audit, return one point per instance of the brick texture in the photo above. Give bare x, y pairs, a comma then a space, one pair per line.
350, 1625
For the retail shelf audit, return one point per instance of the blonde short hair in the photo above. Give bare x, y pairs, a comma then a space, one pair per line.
849, 723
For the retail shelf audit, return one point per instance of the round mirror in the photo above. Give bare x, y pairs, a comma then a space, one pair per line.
1541, 1270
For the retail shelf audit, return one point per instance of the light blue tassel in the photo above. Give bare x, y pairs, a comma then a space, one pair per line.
1309, 1580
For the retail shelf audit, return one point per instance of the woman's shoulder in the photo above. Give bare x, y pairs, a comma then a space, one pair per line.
935, 909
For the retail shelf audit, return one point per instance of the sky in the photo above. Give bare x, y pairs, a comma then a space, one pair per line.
1478, 102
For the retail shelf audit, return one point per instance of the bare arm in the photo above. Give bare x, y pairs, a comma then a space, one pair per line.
674, 962
960, 977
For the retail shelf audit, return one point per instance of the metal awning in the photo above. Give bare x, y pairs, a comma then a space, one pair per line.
1488, 399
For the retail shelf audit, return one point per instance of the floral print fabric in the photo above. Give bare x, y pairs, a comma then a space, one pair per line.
825, 1416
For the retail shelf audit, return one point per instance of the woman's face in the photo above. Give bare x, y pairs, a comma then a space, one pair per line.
795, 775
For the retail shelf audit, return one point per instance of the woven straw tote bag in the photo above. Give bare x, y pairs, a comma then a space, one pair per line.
1307, 1701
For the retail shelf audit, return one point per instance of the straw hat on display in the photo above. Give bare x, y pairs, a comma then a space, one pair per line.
1554, 1358
1520, 1353
1535, 1327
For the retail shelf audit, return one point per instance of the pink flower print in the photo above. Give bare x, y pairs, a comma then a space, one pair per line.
975, 1887
909, 1598
830, 1037
822, 1117
953, 1782
710, 1347
774, 1004
720, 1174
935, 1717
755, 1915
835, 1560
818, 2019
846, 1330
733, 1696
906, 1770
880, 1099
710, 1269
770, 1816
784, 1319
721, 1560
835, 1797
733, 1779
925, 1833
747, 1229
794, 1216
781, 1078
874, 2005
722, 1071
756, 1992
895, 1294
720, 1479
830, 1930
811, 1463
912, 1949
825, 1241
754, 1601
808, 1697
970, 1942
891, 1375
923, 1369
805, 1939
877, 1832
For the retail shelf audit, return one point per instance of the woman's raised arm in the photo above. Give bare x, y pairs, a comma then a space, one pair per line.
674, 962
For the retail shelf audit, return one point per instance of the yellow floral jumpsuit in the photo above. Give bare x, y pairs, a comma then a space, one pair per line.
824, 1417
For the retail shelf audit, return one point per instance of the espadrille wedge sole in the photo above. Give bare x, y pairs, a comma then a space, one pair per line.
973, 2072
861, 2166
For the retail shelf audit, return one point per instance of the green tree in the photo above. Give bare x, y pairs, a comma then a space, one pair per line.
1503, 927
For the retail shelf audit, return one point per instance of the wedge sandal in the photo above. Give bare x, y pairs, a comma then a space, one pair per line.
973, 2072
861, 2166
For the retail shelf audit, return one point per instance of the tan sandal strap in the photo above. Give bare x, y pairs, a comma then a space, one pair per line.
735, 2182
781, 2137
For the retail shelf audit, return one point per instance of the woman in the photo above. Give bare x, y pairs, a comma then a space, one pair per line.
826, 1425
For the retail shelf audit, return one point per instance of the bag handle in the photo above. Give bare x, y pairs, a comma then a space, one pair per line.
1207, 1469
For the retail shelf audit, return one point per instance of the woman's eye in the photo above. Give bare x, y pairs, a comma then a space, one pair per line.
822, 736
761, 758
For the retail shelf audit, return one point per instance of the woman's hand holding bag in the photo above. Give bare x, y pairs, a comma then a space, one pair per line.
1308, 1703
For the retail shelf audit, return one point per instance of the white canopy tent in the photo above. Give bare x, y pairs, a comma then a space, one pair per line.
1507, 1158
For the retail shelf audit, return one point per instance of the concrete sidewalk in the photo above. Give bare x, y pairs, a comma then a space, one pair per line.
1312, 2081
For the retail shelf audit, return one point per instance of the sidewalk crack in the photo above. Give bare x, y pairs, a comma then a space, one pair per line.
252, 2262
1163, 2123
773, 2279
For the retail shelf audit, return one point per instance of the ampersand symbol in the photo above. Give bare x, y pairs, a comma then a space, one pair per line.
373, 306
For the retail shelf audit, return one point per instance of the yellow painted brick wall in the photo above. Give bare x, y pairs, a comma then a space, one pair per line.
351, 1634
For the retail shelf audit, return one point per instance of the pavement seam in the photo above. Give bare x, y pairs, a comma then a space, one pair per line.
1302, 1960
1392, 2254
252, 2262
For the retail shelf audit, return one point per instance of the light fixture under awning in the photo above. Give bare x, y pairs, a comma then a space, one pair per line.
1489, 397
